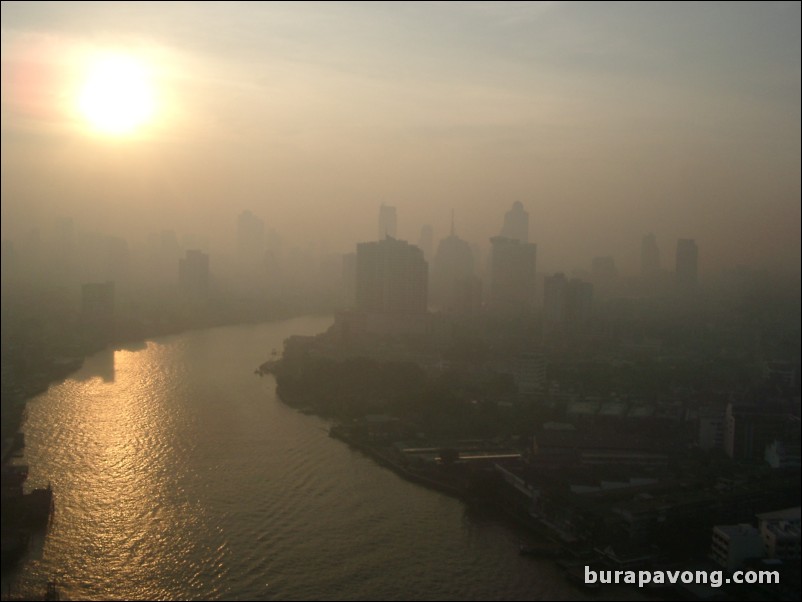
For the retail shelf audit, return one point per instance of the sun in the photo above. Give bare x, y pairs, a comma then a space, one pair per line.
117, 96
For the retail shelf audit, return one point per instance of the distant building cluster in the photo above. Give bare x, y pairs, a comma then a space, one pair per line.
509, 285
383, 277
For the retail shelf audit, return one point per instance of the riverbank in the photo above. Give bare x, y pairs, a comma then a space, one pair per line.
383, 457
410, 422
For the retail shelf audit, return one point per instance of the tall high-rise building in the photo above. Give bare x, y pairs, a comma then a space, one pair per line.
452, 271
687, 263
649, 256
516, 223
512, 275
388, 222
193, 274
391, 277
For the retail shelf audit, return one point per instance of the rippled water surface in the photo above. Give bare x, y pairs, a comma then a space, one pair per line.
177, 474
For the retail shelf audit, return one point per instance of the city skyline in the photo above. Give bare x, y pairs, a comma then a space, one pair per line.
604, 122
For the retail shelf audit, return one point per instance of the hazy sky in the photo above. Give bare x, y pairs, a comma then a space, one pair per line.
606, 120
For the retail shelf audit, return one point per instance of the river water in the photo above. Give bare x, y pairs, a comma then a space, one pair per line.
178, 474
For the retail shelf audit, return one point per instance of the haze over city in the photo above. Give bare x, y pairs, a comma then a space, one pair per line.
607, 121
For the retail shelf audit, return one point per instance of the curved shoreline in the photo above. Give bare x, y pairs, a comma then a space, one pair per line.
386, 461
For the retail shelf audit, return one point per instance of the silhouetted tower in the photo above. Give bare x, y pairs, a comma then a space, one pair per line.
388, 222
687, 263
453, 274
516, 223
391, 277
512, 275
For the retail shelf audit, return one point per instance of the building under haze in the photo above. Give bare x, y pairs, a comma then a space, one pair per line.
193, 274
516, 223
453, 275
512, 275
391, 291
391, 278
388, 221
687, 263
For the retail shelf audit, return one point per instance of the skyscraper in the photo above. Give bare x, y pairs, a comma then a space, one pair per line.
391, 277
388, 222
452, 270
687, 263
512, 275
516, 223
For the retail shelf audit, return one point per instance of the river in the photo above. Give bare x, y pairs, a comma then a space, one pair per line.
178, 474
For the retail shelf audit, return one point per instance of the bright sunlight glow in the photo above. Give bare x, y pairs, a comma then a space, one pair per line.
117, 97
